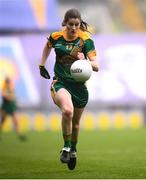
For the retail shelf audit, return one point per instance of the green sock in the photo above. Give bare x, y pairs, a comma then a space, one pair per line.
67, 143
67, 140
73, 146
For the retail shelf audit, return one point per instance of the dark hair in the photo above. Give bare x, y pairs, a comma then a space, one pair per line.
74, 13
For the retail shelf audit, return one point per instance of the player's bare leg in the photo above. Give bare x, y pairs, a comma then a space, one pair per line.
15, 122
2, 119
16, 126
63, 99
75, 131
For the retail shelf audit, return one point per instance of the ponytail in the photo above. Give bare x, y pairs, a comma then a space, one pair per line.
84, 26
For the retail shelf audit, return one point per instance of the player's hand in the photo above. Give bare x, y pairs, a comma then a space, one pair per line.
80, 55
43, 72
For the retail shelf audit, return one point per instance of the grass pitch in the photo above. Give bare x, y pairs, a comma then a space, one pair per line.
101, 154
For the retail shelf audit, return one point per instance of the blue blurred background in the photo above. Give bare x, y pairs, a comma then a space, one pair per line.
117, 92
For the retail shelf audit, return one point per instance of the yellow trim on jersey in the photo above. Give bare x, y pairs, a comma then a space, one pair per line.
91, 53
81, 34
6, 88
57, 35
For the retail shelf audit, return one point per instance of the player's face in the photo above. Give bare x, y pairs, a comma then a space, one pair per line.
73, 26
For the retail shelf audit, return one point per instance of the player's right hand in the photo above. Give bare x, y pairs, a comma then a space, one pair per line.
43, 72
80, 55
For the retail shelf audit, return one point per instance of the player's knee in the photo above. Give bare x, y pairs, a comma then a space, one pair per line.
67, 113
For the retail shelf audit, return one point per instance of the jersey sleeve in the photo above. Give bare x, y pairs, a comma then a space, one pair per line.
50, 42
89, 48
52, 39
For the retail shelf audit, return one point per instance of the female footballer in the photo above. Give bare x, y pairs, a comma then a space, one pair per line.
71, 43
9, 107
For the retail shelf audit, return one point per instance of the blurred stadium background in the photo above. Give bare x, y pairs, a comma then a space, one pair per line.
112, 137
117, 91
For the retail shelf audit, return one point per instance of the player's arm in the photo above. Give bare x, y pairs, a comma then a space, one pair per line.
92, 58
94, 62
90, 52
46, 51
45, 54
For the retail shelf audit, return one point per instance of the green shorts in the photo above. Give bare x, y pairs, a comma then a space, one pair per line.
9, 107
78, 91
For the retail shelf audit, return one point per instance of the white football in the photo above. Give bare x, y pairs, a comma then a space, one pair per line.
81, 70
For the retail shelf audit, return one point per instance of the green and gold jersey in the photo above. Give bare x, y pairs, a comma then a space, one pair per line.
66, 51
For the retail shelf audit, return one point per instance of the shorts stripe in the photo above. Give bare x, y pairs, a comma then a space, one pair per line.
53, 91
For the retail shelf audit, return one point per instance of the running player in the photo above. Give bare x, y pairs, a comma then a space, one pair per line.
9, 106
73, 42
